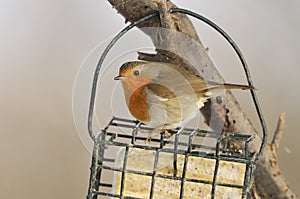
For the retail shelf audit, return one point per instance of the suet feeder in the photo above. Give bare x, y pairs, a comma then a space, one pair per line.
125, 166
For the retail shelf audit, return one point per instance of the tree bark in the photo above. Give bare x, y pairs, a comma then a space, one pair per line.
226, 110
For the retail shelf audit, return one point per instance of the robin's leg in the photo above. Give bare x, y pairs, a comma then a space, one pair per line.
156, 130
161, 129
138, 129
169, 133
150, 132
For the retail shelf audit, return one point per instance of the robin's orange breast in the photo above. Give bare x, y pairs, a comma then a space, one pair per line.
138, 105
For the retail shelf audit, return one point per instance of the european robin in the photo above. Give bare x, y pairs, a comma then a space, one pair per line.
165, 96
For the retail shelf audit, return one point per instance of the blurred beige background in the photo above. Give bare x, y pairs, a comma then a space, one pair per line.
43, 44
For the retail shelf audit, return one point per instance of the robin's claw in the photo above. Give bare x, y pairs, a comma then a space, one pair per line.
168, 133
150, 132
153, 132
160, 129
148, 139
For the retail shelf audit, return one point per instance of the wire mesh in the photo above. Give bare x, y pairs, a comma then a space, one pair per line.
122, 134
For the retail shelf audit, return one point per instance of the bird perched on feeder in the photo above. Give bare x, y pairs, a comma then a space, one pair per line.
166, 96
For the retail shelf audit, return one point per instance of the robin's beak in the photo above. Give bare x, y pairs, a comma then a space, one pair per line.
119, 77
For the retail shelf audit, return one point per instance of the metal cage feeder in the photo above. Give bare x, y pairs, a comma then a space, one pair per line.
192, 172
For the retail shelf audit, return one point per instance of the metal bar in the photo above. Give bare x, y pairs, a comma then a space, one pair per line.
189, 149
247, 179
114, 135
127, 171
93, 172
162, 142
108, 160
134, 132
247, 145
124, 119
213, 189
154, 173
175, 152
200, 133
105, 185
227, 157
150, 173
123, 171
171, 177
95, 175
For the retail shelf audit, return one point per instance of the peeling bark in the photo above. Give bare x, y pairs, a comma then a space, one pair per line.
268, 173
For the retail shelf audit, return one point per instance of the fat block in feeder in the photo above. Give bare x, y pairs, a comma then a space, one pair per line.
198, 168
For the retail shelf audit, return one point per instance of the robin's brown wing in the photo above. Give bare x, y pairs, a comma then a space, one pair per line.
174, 80
161, 90
171, 80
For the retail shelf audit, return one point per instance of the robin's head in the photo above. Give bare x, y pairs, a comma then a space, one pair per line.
137, 73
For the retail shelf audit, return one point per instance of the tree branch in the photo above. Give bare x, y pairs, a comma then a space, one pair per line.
278, 132
268, 173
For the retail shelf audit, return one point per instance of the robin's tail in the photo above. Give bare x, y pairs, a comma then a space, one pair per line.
215, 88
237, 86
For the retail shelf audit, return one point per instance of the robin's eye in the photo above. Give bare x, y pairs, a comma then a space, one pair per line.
136, 73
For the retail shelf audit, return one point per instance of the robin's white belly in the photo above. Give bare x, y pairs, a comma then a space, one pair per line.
174, 112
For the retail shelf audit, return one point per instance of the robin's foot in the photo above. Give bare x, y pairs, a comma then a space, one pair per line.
166, 132
150, 132
159, 129
169, 133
